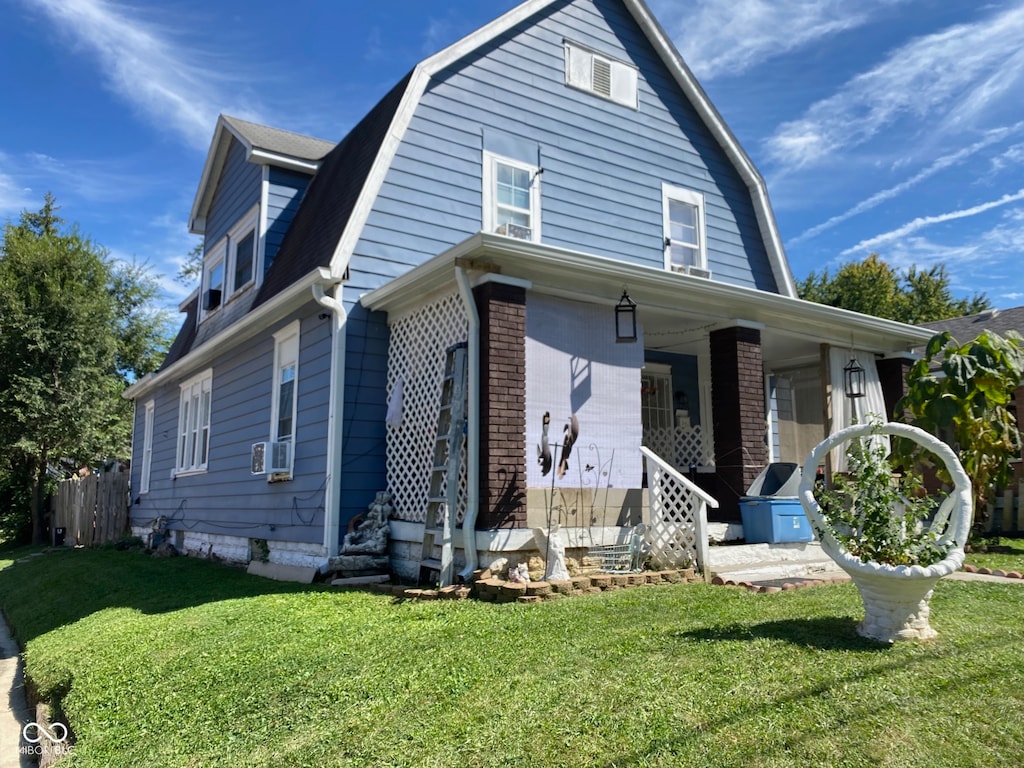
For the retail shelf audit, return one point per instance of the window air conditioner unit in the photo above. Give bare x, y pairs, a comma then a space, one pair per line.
211, 299
271, 458
515, 230
698, 272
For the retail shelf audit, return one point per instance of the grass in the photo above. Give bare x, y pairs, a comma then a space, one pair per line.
185, 663
1000, 553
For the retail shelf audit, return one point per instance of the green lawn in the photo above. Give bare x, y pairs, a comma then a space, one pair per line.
185, 663
1000, 553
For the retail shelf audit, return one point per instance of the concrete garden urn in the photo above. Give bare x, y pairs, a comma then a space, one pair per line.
896, 597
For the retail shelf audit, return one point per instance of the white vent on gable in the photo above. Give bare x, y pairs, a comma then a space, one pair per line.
591, 71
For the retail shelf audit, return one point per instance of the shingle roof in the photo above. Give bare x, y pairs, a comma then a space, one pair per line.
186, 334
963, 329
332, 195
280, 142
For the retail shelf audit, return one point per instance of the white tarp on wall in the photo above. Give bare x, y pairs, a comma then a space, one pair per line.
574, 367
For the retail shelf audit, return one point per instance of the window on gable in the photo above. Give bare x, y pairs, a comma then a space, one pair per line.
601, 75
685, 241
284, 404
194, 423
147, 447
511, 198
242, 244
213, 280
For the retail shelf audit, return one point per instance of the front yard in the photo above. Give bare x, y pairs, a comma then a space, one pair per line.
186, 663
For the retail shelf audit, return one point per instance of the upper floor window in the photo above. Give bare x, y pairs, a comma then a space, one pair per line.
685, 241
242, 251
230, 264
511, 198
194, 423
213, 279
601, 75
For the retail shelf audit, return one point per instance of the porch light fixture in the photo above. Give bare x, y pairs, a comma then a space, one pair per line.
854, 377
625, 319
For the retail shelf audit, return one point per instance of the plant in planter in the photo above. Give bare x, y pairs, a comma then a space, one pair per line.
894, 544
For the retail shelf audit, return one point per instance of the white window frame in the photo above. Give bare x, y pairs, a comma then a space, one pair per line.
600, 75
286, 355
490, 197
248, 223
669, 194
214, 257
195, 407
149, 411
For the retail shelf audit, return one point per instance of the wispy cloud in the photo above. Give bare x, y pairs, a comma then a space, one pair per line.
728, 37
950, 77
941, 164
14, 196
172, 86
921, 222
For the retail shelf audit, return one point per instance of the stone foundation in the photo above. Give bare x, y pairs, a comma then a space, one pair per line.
238, 549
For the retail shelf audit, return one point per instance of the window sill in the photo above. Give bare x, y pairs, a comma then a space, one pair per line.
187, 472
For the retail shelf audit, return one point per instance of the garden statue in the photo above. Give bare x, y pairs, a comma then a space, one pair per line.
880, 534
370, 535
552, 548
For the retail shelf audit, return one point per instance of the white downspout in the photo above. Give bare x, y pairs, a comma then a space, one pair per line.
336, 405
473, 426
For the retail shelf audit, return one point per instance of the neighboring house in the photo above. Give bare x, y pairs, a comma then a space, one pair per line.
998, 321
506, 193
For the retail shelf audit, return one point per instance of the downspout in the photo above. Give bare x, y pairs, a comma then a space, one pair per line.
336, 405
472, 426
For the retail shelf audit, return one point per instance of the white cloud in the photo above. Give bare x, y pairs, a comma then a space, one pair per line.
168, 83
728, 37
950, 77
921, 222
14, 197
941, 164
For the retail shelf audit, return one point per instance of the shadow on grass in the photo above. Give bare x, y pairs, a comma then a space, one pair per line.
825, 634
63, 586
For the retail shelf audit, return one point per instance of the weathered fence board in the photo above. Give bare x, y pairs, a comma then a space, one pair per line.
93, 510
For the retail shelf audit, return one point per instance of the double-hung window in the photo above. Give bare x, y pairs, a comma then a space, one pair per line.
283, 407
230, 266
242, 251
194, 423
213, 280
147, 446
511, 195
685, 241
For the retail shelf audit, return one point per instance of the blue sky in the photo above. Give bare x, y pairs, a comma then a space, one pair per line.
888, 126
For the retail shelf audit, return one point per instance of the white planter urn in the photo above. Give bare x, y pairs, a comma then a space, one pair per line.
896, 598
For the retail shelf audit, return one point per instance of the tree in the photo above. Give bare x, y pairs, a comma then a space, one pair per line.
872, 287
964, 391
75, 328
191, 269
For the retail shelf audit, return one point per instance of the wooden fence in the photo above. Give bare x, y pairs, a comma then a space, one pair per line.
92, 510
1005, 515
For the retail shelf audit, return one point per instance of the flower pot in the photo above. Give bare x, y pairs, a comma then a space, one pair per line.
896, 598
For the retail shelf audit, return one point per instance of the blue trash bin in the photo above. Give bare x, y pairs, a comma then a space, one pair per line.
771, 510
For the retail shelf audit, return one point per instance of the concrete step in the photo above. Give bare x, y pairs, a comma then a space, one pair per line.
761, 562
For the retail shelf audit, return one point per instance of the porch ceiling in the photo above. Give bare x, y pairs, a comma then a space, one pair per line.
675, 310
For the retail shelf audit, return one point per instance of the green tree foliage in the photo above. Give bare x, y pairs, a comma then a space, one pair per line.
75, 328
191, 269
872, 287
964, 391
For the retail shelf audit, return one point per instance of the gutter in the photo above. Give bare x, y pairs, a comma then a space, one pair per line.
336, 404
473, 427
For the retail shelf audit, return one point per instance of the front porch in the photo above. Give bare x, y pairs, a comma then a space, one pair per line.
566, 425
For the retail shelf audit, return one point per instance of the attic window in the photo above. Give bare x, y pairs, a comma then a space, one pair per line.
601, 75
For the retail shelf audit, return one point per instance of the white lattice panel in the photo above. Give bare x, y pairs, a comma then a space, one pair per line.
674, 513
681, 446
416, 354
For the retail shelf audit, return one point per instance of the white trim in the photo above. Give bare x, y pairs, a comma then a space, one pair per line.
248, 222
670, 194
195, 414
580, 73
669, 55
261, 240
281, 161
489, 176
148, 416
218, 254
286, 352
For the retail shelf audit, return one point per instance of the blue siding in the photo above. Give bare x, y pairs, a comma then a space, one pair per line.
284, 193
228, 499
601, 188
238, 190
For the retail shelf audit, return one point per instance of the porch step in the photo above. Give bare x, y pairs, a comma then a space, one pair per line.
764, 562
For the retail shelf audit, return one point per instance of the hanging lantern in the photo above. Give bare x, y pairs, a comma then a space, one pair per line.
854, 377
625, 319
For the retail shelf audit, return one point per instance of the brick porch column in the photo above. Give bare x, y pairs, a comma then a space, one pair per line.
738, 419
502, 310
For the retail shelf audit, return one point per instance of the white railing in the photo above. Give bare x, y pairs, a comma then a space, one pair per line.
678, 533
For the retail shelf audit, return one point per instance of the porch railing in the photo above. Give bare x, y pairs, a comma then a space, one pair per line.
678, 533
681, 447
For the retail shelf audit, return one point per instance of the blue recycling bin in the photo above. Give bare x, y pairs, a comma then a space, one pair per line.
771, 510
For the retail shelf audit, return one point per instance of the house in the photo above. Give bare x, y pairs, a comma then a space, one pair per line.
521, 191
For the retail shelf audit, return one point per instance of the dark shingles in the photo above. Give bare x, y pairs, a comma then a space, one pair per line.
999, 321
280, 142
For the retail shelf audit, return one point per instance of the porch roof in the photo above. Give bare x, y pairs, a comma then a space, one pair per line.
672, 307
